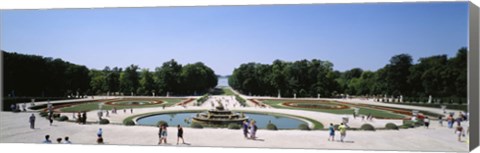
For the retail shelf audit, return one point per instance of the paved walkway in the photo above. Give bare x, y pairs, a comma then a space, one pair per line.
15, 129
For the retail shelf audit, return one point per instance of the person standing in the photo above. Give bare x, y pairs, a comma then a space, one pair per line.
331, 130
84, 117
180, 134
50, 118
426, 122
253, 130
343, 131
245, 129
32, 121
59, 140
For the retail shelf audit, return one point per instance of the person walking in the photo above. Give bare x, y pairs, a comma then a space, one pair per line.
84, 118
426, 122
331, 130
164, 134
100, 136
440, 120
245, 128
160, 132
343, 131
253, 130
50, 119
450, 121
459, 132
180, 134
32, 121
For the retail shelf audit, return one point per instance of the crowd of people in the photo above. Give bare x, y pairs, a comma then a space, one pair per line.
66, 140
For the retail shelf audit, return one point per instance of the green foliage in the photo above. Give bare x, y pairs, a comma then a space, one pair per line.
104, 121
242, 101
196, 125
271, 126
43, 114
408, 124
391, 126
304, 127
129, 123
234, 126
62, 118
367, 127
161, 122
202, 99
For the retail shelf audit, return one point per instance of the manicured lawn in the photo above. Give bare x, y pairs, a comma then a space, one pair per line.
227, 91
362, 110
94, 105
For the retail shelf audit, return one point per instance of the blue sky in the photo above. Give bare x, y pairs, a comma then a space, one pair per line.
223, 37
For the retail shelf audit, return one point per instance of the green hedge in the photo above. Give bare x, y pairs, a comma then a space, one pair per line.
271, 126
304, 127
104, 121
62, 118
367, 127
391, 126
129, 123
242, 101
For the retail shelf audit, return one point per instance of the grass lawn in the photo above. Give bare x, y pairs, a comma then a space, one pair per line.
362, 110
94, 105
227, 91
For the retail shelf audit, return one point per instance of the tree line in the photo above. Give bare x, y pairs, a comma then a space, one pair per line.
37, 76
437, 75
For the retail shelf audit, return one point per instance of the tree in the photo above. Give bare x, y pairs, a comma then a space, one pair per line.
147, 84
129, 80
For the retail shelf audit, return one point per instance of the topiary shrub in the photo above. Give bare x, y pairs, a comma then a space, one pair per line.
234, 126
408, 123
62, 118
304, 127
104, 121
196, 125
271, 126
391, 126
367, 127
161, 122
129, 123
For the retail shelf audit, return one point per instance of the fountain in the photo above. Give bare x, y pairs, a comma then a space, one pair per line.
219, 117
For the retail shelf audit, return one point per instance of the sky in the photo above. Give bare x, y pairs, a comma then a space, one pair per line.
223, 37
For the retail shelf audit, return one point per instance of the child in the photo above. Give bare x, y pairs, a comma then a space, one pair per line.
459, 132
332, 132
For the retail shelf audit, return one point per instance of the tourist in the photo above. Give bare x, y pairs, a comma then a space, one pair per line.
124, 110
180, 134
59, 140
47, 139
164, 134
343, 131
245, 128
450, 121
12, 107
253, 129
32, 121
459, 131
331, 129
106, 113
440, 120
459, 119
50, 118
160, 130
100, 132
67, 141
131, 110
84, 117
426, 122
24, 107
79, 118
100, 136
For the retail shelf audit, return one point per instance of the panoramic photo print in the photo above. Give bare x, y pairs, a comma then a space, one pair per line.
378, 76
